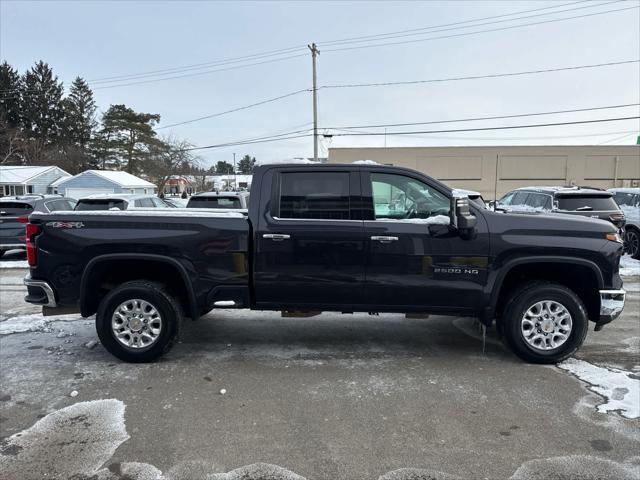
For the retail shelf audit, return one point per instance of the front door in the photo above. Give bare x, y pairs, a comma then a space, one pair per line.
415, 259
309, 245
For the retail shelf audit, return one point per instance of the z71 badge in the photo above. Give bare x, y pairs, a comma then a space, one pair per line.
65, 224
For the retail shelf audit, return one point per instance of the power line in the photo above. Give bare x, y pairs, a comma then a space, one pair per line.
196, 66
628, 134
474, 119
213, 115
364, 134
477, 32
478, 77
421, 29
234, 144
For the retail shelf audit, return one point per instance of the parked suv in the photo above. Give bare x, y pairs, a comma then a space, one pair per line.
14, 214
583, 201
110, 201
628, 199
220, 200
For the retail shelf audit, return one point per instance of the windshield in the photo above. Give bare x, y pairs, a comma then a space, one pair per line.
586, 202
214, 202
102, 204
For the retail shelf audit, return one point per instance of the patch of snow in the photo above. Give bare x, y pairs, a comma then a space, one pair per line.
223, 391
523, 208
14, 264
32, 323
435, 220
619, 389
365, 162
74, 393
72, 442
573, 467
629, 267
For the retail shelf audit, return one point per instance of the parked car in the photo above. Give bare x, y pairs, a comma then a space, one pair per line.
110, 201
313, 241
583, 201
628, 199
220, 200
15, 211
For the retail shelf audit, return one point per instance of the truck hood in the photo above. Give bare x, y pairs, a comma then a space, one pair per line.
558, 223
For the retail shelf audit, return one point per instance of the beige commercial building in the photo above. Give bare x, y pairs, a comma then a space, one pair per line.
474, 168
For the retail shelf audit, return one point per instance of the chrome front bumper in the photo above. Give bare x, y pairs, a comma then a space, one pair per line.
611, 303
46, 288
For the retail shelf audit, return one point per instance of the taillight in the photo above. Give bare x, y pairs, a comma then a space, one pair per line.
32, 231
24, 219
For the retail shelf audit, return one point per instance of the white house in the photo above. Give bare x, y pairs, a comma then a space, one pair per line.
91, 182
22, 180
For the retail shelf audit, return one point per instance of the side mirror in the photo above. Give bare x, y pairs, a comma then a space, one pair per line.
462, 218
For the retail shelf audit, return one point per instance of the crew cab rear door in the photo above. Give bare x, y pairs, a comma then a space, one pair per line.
309, 240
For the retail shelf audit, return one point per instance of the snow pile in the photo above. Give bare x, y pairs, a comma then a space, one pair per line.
157, 212
629, 267
572, 467
31, 323
619, 389
365, 162
76, 440
435, 220
523, 208
14, 264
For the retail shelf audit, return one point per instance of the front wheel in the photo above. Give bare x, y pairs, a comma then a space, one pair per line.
545, 323
632, 243
138, 321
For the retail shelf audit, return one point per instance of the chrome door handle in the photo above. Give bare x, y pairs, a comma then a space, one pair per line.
276, 237
384, 239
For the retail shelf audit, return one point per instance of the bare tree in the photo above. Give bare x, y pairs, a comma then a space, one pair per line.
168, 157
12, 143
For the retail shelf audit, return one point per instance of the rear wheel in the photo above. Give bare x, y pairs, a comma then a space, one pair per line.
632, 243
138, 321
545, 323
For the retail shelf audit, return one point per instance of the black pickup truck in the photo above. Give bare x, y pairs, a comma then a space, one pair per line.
343, 238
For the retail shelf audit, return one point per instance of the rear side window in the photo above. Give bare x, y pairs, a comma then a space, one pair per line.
60, 205
12, 209
314, 195
214, 202
586, 203
629, 199
87, 205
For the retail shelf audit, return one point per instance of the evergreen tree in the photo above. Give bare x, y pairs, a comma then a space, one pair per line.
79, 123
10, 93
128, 136
42, 111
11, 138
247, 164
223, 167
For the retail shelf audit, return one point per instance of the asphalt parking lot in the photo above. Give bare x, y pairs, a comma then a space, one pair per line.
252, 395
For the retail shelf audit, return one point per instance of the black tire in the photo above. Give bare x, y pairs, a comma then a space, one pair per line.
524, 298
632, 243
166, 305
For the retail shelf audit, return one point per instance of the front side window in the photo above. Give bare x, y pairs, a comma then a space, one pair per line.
396, 197
315, 195
520, 198
539, 201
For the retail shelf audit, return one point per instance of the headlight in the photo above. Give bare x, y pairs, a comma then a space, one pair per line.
614, 237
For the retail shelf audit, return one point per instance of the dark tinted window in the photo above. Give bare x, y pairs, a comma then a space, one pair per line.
89, 204
575, 202
214, 202
322, 195
10, 209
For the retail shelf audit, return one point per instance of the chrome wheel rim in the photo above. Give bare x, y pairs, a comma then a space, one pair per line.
136, 323
546, 325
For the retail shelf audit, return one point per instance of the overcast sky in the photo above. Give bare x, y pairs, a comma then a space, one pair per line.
116, 38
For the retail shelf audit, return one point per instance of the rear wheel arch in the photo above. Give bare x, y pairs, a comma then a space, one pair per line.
102, 271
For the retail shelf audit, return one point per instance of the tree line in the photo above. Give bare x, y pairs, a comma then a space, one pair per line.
41, 125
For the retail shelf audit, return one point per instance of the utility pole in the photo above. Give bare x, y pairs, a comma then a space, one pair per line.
235, 183
314, 53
